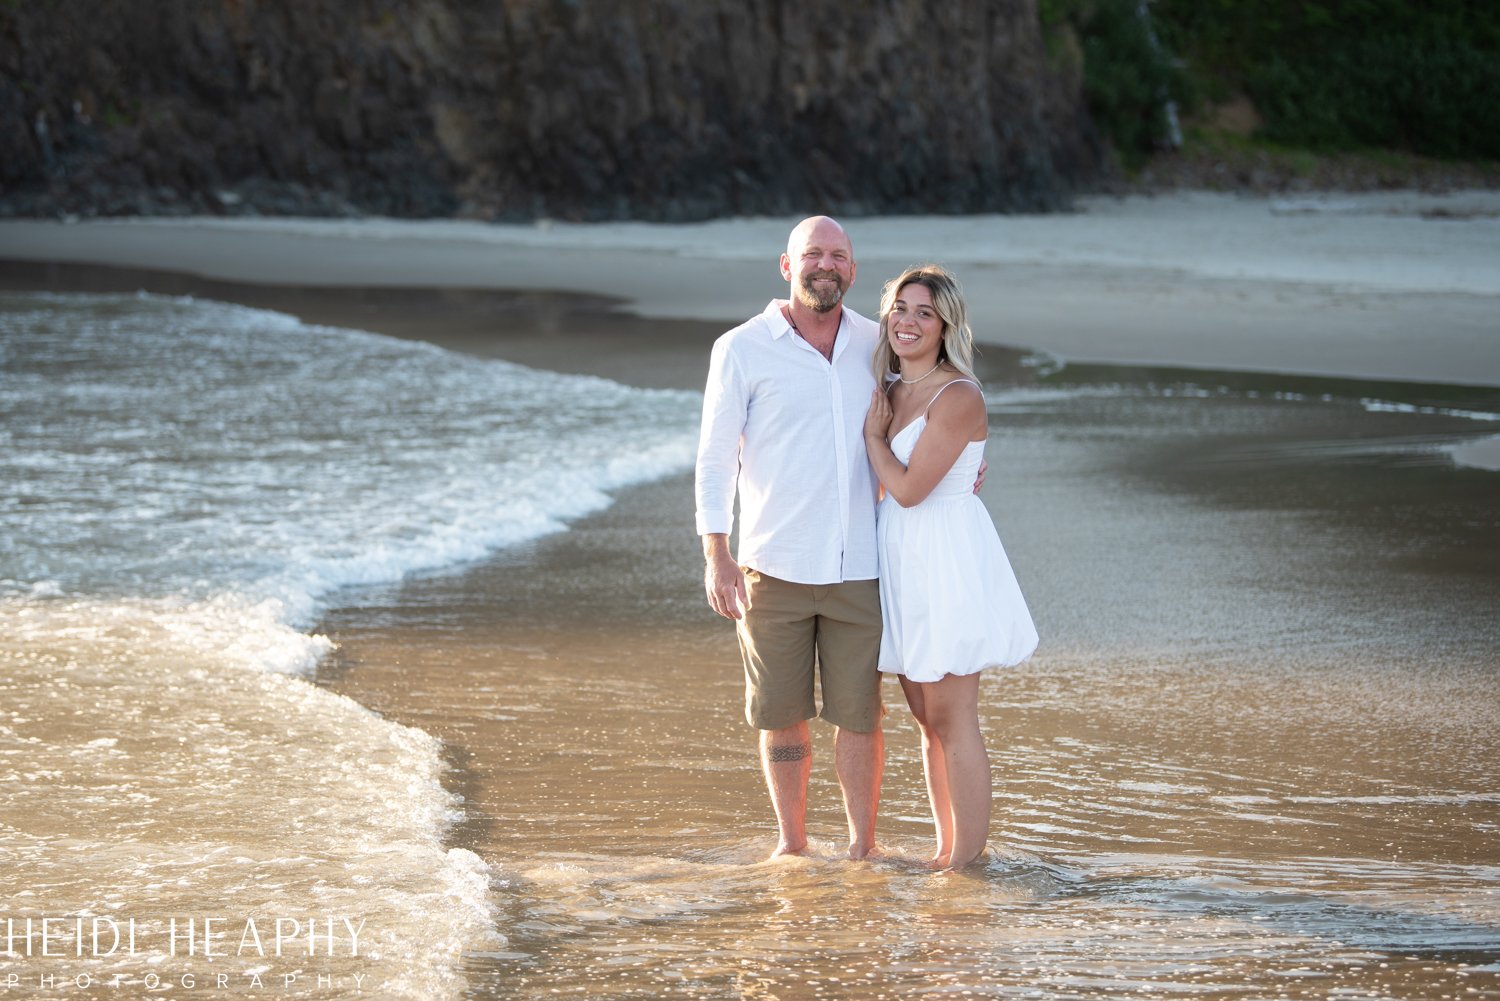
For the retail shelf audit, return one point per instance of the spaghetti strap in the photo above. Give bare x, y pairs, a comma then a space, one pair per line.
940, 392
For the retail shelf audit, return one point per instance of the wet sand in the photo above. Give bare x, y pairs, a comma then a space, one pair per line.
1257, 752
1330, 286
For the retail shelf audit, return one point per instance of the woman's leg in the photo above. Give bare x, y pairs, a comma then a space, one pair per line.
951, 709
936, 770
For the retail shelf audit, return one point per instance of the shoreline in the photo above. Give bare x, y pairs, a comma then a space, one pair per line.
587, 334
1402, 287
575, 334
1242, 554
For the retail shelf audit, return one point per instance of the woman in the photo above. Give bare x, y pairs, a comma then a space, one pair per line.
950, 601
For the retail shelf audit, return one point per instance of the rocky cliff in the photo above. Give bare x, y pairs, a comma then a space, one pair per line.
514, 109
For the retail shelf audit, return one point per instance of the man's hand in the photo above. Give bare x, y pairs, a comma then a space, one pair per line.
984, 465
723, 580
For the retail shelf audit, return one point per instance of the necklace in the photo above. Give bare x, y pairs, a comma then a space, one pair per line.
913, 382
827, 352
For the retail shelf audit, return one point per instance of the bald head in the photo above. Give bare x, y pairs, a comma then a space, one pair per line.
817, 230
819, 263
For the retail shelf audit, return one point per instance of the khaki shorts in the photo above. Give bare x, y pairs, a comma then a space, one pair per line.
788, 629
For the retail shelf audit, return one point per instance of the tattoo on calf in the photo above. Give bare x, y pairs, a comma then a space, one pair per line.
789, 752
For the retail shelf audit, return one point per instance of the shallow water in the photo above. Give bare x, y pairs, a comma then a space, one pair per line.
183, 487
1257, 755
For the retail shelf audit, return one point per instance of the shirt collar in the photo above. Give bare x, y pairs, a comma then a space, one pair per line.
780, 328
776, 319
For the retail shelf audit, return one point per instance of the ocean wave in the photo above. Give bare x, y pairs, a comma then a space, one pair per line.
1375, 406
187, 485
165, 446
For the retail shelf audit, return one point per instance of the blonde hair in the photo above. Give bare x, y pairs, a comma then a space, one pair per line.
957, 348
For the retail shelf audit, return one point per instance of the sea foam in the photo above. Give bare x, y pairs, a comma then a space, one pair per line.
186, 486
167, 447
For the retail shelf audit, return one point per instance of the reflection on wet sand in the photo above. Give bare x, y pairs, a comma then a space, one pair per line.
1256, 754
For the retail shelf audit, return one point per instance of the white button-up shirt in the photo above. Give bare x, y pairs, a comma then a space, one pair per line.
785, 426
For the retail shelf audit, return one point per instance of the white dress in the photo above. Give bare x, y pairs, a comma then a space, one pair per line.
948, 596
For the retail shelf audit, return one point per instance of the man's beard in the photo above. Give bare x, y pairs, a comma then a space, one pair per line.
818, 299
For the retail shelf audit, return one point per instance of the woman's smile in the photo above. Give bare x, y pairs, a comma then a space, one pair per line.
914, 323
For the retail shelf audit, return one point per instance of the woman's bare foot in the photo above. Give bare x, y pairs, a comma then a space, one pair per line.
785, 849
949, 865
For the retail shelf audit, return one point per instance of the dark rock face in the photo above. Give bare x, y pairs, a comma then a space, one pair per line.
576, 109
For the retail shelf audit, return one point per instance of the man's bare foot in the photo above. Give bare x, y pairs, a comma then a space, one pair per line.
786, 849
858, 853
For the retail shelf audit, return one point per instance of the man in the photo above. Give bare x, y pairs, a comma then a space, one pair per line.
783, 419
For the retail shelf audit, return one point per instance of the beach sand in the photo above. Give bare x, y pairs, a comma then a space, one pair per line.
1377, 286
1259, 739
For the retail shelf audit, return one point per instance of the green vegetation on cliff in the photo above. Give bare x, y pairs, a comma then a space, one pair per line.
1421, 78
